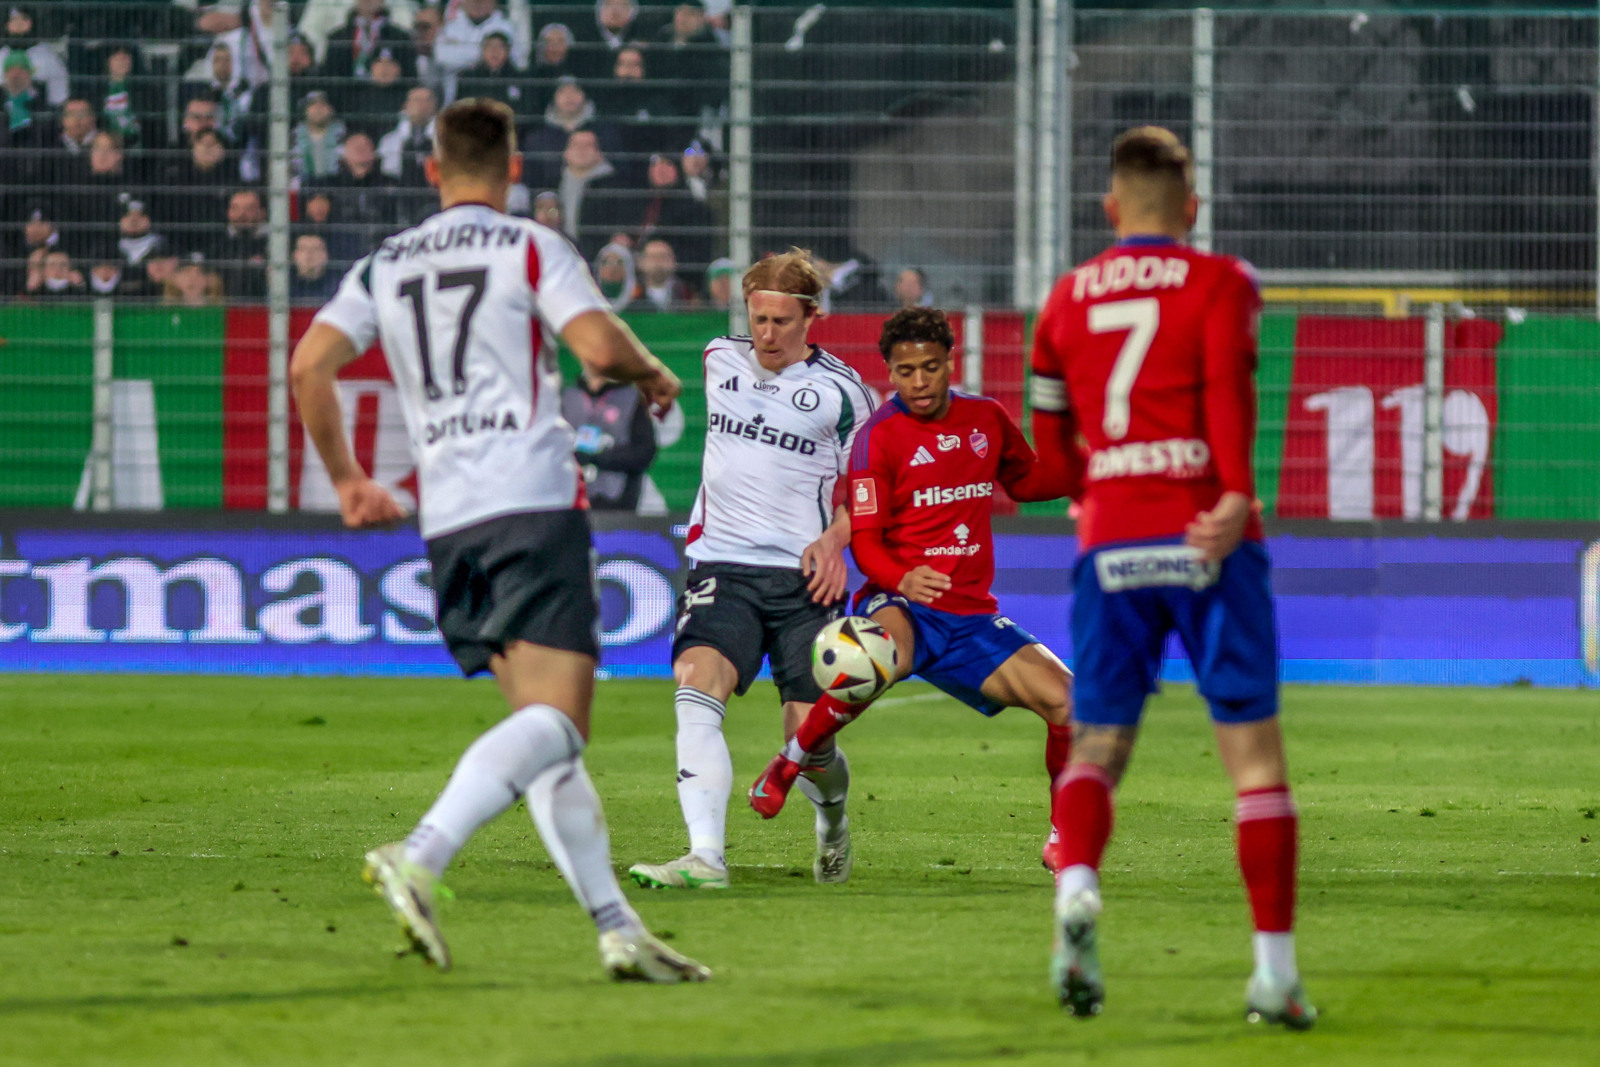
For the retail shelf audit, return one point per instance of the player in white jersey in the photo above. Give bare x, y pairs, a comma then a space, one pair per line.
468, 306
766, 537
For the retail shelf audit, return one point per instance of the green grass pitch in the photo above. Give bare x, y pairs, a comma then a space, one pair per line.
179, 857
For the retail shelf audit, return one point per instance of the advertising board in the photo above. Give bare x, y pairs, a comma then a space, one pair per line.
1419, 608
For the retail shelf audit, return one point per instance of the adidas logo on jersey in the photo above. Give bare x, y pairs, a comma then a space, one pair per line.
732, 385
923, 456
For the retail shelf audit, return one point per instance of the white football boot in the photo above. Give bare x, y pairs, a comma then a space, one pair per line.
685, 872
834, 861
637, 956
1075, 959
408, 888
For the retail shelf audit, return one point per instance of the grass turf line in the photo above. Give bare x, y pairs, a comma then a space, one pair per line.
179, 856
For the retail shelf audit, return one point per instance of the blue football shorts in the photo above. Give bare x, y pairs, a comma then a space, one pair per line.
957, 653
1129, 595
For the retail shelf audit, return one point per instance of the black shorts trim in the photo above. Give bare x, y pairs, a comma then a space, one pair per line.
753, 613
522, 577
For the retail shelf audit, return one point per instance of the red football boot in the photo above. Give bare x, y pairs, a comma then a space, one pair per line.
772, 788
1054, 855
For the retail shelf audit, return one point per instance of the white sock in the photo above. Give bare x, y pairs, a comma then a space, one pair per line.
1071, 881
705, 773
1275, 955
494, 771
566, 810
825, 781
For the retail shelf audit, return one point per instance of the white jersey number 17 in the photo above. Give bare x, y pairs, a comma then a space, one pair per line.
414, 290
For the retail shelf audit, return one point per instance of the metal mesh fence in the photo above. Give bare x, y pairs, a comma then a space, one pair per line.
1384, 149
1372, 166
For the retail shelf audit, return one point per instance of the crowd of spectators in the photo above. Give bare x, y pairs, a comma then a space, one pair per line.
134, 137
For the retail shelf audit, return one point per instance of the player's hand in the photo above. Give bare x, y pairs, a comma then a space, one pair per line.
364, 503
923, 584
823, 563
659, 391
1216, 533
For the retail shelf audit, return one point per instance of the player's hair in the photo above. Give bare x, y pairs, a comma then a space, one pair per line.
475, 139
1154, 167
916, 325
792, 274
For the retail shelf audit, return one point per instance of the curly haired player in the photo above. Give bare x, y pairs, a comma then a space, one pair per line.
922, 479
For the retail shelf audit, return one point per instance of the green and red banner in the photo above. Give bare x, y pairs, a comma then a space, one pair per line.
1341, 428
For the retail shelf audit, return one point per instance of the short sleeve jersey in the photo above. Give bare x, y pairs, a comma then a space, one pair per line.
929, 485
1151, 349
467, 307
776, 445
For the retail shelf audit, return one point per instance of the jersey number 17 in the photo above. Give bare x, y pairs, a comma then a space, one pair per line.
413, 289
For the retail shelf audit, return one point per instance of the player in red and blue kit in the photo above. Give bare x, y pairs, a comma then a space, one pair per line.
923, 473
1144, 359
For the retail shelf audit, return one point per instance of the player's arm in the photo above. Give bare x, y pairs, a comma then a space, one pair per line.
570, 302
823, 560
1229, 401
1055, 425
342, 330
1022, 473
604, 343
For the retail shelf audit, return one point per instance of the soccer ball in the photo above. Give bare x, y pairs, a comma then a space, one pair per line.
854, 659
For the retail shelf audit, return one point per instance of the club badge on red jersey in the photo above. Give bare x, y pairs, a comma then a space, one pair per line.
979, 443
865, 497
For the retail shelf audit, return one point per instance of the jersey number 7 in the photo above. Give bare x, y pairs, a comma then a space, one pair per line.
1140, 318
412, 289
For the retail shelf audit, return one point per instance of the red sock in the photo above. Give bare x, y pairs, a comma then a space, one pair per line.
1081, 813
1057, 751
1268, 832
827, 717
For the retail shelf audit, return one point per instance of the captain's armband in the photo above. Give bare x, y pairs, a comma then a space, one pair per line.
1047, 394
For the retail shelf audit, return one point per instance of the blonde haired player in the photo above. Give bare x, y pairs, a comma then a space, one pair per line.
767, 539
468, 306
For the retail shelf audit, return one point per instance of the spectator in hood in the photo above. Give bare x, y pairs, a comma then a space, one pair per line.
317, 140
552, 59
614, 273
547, 210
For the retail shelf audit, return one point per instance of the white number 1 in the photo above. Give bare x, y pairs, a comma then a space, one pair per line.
1140, 318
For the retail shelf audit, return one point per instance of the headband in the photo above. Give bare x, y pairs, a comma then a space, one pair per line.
774, 292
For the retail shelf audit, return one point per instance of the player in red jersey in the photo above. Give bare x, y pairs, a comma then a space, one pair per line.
922, 478
1144, 357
